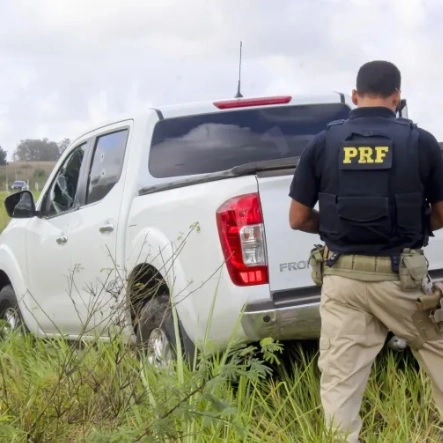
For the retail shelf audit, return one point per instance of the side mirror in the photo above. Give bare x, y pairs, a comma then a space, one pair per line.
20, 205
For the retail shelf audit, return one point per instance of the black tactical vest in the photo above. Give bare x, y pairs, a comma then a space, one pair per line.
372, 197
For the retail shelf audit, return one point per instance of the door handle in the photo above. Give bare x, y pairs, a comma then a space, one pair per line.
62, 239
107, 227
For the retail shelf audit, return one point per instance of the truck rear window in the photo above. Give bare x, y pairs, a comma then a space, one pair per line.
200, 144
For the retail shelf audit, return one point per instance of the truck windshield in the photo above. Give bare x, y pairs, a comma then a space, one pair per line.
201, 144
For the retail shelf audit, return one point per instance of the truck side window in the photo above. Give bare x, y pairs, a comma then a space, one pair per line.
61, 196
107, 164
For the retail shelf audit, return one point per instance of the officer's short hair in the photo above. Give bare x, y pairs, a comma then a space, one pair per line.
378, 78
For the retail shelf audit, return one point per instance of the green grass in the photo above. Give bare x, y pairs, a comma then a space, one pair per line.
50, 392
104, 393
4, 218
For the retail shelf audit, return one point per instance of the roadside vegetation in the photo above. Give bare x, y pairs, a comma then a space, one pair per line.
33, 172
54, 391
51, 392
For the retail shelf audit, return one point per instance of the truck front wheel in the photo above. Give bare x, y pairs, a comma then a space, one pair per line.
10, 317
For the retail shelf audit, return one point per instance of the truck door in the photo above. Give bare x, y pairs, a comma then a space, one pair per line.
93, 234
49, 266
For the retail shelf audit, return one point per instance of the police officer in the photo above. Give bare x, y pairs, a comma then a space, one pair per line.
378, 180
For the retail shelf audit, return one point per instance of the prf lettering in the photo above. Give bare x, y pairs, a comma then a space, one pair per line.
365, 154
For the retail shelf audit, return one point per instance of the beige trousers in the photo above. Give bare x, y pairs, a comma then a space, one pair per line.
355, 318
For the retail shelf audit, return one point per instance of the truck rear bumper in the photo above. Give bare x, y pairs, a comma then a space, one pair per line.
297, 320
295, 315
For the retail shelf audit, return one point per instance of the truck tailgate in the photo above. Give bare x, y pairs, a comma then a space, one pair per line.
287, 250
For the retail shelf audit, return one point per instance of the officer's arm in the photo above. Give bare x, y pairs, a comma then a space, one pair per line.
434, 178
303, 218
437, 216
304, 190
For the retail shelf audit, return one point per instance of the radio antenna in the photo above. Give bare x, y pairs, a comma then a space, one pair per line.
239, 94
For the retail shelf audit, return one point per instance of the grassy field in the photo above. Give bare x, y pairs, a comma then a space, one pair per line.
104, 393
52, 393
4, 219
35, 173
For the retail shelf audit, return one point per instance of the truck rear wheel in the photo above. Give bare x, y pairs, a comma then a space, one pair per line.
156, 334
10, 317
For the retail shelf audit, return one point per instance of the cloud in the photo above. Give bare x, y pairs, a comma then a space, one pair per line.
67, 64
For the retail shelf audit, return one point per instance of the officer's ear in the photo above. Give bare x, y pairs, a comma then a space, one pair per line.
355, 97
396, 98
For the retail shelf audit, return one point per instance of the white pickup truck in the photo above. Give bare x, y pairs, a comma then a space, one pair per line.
185, 203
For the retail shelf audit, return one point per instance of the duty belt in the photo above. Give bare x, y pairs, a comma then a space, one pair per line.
361, 267
410, 267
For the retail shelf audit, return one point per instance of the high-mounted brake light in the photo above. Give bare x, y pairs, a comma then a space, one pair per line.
241, 232
246, 102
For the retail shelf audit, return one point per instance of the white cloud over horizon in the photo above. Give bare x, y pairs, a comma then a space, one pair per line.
67, 64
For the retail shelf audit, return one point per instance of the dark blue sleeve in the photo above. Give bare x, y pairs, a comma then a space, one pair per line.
431, 160
305, 183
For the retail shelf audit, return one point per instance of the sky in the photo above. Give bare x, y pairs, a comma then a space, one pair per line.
68, 64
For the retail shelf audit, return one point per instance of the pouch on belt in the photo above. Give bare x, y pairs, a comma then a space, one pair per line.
413, 268
316, 260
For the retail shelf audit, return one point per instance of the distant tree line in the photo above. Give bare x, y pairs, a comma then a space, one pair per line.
40, 150
36, 150
3, 155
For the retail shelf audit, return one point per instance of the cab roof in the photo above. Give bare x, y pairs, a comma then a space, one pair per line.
223, 105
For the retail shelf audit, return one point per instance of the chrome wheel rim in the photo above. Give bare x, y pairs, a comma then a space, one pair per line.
11, 321
159, 351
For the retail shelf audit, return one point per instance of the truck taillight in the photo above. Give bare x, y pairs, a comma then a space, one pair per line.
241, 231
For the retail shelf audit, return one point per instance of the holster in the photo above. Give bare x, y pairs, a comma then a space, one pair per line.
316, 263
429, 315
432, 303
413, 268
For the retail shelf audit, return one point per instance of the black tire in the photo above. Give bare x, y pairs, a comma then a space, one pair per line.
156, 314
8, 302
